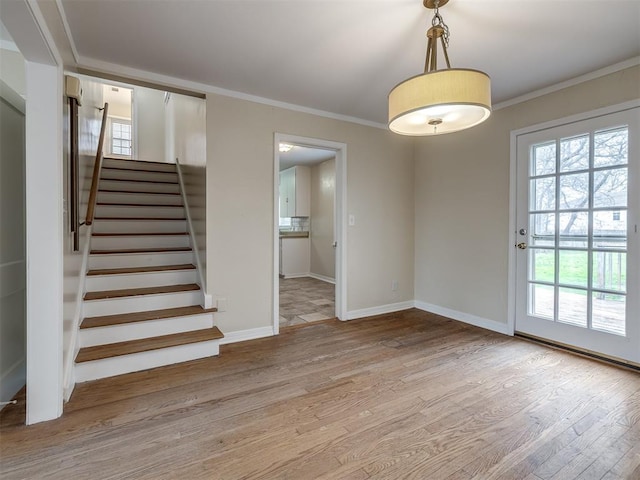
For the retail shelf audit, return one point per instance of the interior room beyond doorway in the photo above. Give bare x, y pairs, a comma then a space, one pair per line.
307, 239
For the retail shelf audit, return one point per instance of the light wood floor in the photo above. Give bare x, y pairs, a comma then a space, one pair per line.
400, 396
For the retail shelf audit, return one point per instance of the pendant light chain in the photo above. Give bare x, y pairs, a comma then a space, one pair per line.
437, 21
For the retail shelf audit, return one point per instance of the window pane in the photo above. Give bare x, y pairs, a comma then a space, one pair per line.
572, 306
574, 228
542, 265
543, 194
543, 228
573, 268
610, 271
574, 153
611, 147
544, 159
608, 313
541, 300
610, 188
574, 191
609, 232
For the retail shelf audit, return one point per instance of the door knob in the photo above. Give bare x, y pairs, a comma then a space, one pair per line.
522, 246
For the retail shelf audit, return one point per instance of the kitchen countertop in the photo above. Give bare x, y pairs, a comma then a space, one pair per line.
290, 234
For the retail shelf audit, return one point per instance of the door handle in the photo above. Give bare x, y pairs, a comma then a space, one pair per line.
335, 244
522, 246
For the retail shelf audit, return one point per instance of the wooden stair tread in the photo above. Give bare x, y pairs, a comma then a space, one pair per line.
99, 352
148, 170
135, 292
112, 204
137, 192
138, 234
139, 162
157, 268
135, 180
123, 318
137, 219
140, 250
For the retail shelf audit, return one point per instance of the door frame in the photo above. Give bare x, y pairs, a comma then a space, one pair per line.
513, 177
340, 206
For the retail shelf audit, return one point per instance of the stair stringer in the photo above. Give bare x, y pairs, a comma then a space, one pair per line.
207, 298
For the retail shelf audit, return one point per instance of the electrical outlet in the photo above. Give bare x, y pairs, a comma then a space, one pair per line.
394, 285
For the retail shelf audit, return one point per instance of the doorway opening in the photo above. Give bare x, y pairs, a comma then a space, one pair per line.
309, 209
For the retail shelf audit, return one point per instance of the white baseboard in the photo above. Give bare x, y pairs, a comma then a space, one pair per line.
13, 380
379, 310
297, 275
324, 278
464, 317
244, 335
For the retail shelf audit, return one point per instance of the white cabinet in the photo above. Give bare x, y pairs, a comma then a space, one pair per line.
295, 192
295, 256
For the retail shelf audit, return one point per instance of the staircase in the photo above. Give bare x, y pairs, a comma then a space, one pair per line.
142, 306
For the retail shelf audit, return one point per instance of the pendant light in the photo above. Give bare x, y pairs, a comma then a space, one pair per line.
439, 101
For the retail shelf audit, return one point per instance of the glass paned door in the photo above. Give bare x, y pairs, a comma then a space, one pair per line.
577, 196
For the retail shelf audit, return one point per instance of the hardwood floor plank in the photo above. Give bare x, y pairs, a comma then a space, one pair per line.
408, 395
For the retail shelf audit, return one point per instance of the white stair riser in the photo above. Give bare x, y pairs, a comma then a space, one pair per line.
108, 174
139, 212
144, 241
109, 367
139, 226
129, 186
98, 283
142, 303
128, 164
135, 198
139, 259
90, 337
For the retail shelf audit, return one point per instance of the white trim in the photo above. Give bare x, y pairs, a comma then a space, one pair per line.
632, 62
379, 310
196, 87
12, 97
74, 345
67, 30
511, 273
323, 278
341, 219
244, 335
8, 45
44, 31
194, 244
12, 381
464, 317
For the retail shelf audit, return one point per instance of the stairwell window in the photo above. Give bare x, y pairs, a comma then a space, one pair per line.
120, 138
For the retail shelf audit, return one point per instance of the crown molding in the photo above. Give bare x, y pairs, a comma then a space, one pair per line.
632, 62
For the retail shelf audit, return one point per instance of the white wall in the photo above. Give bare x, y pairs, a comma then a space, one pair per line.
12, 70
240, 208
323, 190
12, 240
462, 198
149, 118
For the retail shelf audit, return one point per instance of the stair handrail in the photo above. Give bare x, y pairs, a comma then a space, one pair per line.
97, 166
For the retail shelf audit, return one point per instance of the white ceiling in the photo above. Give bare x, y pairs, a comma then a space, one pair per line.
343, 56
301, 155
